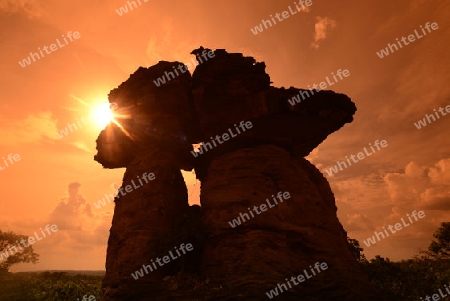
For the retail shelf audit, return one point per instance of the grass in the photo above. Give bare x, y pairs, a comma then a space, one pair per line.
49, 286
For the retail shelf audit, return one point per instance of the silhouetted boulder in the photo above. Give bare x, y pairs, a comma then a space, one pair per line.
230, 261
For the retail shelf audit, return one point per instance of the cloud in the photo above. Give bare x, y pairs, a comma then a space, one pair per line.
321, 27
82, 227
75, 213
83, 146
169, 47
357, 222
31, 8
80, 231
72, 212
439, 174
34, 128
417, 187
312, 157
370, 202
361, 193
421, 186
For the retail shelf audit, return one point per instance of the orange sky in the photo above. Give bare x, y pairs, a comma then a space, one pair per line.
411, 173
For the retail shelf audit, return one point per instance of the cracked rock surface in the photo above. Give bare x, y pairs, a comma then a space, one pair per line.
157, 127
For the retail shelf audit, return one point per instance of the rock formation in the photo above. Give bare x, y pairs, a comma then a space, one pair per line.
150, 138
157, 126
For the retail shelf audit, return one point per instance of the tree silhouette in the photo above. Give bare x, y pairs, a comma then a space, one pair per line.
13, 251
441, 246
356, 249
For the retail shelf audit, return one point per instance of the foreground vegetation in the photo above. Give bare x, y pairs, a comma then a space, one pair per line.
412, 279
400, 281
57, 286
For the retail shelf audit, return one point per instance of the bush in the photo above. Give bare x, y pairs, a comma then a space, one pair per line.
408, 279
57, 286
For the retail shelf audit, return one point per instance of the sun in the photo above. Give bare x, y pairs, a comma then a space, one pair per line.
102, 114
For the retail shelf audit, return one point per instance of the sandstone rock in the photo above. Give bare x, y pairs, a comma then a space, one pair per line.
231, 88
282, 241
115, 149
152, 136
150, 114
142, 219
158, 126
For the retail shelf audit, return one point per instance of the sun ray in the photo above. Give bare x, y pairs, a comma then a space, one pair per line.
122, 128
79, 100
